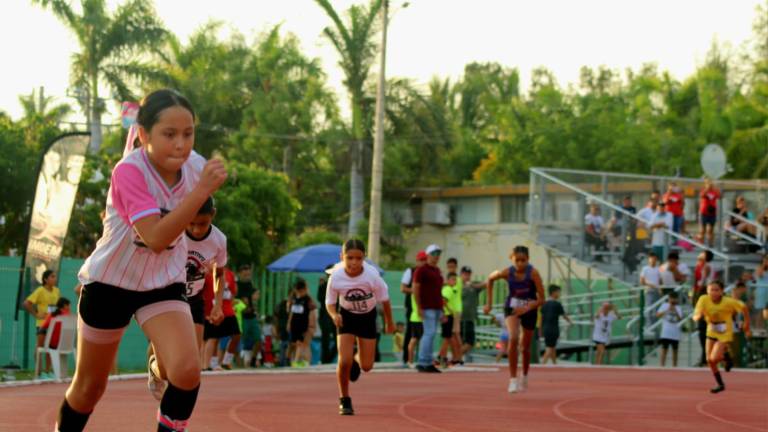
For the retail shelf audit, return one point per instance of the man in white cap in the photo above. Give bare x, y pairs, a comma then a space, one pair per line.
427, 291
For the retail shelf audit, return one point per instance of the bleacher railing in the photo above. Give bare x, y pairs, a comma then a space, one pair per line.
538, 213
759, 239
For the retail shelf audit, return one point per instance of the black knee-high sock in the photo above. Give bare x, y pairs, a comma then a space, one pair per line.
71, 420
727, 357
176, 406
719, 379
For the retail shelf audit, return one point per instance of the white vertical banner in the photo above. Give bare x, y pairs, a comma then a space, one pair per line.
57, 184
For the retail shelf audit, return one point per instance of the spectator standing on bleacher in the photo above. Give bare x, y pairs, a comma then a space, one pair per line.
673, 272
550, 323
646, 215
470, 294
595, 234
671, 314
650, 280
675, 202
618, 223
660, 222
708, 198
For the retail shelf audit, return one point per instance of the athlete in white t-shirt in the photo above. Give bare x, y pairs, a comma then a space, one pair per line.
358, 288
138, 266
671, 314
601, 334
206, 248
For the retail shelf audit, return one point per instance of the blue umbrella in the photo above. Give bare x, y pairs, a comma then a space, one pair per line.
311, 259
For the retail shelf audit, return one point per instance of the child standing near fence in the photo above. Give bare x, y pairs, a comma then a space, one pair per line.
601, 335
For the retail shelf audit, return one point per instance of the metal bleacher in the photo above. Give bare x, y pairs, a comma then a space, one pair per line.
559, 200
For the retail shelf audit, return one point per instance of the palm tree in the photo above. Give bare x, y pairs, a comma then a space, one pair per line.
40, 116
37, 106
355, 44
110, 46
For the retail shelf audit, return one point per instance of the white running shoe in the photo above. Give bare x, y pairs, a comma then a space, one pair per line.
155, 384
523, 383
512, 385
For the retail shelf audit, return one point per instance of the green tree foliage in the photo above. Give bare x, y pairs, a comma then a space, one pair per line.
113, 49
264, 105
256, 211
17, 174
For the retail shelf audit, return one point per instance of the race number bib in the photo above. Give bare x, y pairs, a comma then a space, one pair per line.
297, 309
719, 328
227, 295
515, 302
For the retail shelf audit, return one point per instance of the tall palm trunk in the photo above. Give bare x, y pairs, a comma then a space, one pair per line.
95, 115
356, 187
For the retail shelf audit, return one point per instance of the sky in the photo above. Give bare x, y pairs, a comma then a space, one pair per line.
427, 38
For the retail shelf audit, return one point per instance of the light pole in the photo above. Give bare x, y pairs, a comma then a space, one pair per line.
374, 218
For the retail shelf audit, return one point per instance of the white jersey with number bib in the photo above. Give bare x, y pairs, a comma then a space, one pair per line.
357, 294
203, 253
137, 191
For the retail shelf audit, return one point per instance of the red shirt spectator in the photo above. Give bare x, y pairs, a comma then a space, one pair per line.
230, 291
675, 202
430, 286
708, 198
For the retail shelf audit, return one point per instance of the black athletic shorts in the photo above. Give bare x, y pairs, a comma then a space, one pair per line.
550, 339
298, 334
447, 328
360, 325
197, 307
228, 327
417, 330
108, 307
468, 332
527, 320
667, 342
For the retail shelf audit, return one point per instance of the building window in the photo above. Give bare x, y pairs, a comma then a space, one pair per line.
513, 208
474, 211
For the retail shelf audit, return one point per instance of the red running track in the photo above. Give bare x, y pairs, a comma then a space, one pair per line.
558, 399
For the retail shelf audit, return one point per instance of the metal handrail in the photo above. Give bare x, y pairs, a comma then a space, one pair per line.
591, 266
654, 306
756, 183
759, 229
616, 208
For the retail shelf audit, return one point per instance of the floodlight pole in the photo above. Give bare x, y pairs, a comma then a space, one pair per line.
374, 218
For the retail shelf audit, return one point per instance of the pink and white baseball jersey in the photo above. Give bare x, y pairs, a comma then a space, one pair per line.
201, 256
137, 191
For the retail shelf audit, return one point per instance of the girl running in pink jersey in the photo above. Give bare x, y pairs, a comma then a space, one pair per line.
138, 266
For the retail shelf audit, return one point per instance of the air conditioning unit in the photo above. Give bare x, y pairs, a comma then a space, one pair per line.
405, 217
437, 214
